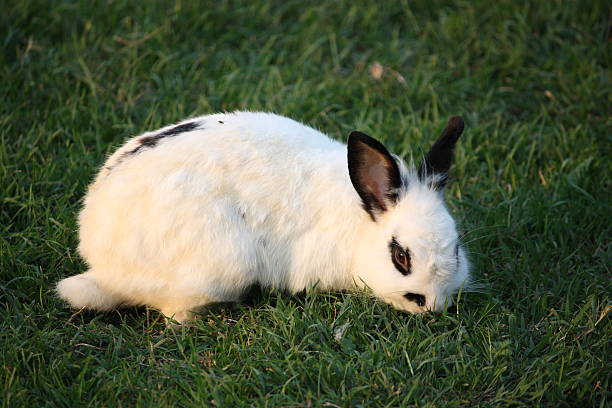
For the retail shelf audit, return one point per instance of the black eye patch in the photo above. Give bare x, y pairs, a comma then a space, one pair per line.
400, 257
418, 299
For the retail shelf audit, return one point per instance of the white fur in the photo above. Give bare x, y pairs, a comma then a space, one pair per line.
251, 198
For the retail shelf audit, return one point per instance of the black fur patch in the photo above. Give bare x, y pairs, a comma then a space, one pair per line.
416, 298
397, 265
439, 158
151, 141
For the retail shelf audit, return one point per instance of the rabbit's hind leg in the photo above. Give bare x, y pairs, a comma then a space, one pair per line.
184, 310
214, 260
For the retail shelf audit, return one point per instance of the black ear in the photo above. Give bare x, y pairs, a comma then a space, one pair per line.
374, 173
438, 160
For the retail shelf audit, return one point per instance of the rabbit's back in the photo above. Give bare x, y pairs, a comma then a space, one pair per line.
268, 167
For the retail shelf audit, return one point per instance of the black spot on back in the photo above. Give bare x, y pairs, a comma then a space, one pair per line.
185, 127
151, 141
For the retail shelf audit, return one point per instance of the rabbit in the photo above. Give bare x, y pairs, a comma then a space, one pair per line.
197, 212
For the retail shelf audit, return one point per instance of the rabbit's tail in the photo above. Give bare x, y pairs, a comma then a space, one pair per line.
82, 291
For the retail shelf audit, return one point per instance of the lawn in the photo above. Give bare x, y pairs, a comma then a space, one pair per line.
530, 189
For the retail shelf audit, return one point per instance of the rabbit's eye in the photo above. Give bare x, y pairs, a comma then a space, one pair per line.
400, 258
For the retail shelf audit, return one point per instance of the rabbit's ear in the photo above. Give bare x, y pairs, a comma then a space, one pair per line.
374, 173
434, 169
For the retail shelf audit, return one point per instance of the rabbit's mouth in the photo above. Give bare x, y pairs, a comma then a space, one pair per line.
416, 303
405, 305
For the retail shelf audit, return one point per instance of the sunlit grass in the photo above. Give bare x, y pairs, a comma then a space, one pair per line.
531, 190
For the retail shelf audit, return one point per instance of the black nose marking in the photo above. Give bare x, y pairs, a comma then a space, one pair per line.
418, 299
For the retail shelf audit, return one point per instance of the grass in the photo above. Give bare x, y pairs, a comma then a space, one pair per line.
531, 190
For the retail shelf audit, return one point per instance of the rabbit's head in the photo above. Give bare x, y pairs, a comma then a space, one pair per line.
409, 254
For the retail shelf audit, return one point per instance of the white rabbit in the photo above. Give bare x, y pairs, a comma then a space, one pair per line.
197, 212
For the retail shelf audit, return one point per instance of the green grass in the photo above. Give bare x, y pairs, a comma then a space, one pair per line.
531, 190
